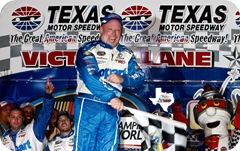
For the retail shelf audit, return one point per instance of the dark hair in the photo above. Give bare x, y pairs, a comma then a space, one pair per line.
63, 113
18, 109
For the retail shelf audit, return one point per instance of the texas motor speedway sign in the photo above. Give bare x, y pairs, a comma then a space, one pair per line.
179, 44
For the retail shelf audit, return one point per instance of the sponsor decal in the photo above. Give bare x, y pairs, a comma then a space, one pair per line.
101, 53
120, 59
106, 72
24, 146
87, 53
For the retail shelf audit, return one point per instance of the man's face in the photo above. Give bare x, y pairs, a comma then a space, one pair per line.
111, 32
5, 111
16, 119
64, 124
28, 113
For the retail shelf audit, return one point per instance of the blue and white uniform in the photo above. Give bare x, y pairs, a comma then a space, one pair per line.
96, 122
61, 143
31, 137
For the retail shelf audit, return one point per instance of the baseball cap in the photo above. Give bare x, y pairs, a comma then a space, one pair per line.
4, 103
111, 16
23, 105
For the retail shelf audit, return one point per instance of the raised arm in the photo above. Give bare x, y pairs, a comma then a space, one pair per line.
41, 123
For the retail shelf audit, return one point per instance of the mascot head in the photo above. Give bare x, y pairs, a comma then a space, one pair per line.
213, 113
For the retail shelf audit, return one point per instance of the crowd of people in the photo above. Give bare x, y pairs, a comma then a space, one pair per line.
20, 131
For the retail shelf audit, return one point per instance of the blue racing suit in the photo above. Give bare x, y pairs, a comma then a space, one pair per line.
96, 123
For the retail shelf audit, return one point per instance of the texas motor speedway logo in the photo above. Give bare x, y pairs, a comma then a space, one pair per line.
27, 19
137, 18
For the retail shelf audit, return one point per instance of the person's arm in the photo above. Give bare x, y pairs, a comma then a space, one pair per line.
55, 132
133, 79
87, 67
135, 76
42, 120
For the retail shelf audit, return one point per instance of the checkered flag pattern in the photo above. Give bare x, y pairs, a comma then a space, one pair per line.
11, 59
234, 139
155, 129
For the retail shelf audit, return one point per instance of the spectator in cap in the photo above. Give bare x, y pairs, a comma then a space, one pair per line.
29, 112
104, 67
30, 137
5, 108
62, 139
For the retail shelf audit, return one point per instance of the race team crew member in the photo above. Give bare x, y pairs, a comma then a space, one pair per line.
104, 68
5, 108
31, 136
63, 135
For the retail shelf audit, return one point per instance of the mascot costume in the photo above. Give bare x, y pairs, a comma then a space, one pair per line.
213, 113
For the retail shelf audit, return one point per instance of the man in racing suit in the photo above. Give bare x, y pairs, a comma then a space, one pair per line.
104, 67
31, 136
62, 138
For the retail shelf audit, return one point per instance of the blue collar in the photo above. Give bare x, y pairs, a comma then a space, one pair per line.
69, 134
106, 45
